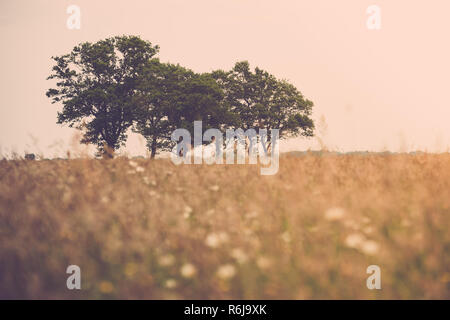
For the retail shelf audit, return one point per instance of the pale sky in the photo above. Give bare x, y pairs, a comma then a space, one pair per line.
376, 90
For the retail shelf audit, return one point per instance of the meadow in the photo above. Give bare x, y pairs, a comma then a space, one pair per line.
141, 228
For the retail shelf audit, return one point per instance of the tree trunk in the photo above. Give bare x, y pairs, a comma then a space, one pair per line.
153, 149
108, 151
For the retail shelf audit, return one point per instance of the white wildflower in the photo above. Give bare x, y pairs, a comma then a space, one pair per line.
166, 260
286, 237
226, 271
132, 163
263, 262
171, 283
140, 169
214, 240
214, 188
188, 270
153, 193
334, 214
239, 255
358, 241
370, 247
187, 212
354, 240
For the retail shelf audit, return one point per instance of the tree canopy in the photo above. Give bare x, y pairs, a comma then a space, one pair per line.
261, 101
116, 84
96, 83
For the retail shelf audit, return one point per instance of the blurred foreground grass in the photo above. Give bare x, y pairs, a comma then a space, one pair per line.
150, 229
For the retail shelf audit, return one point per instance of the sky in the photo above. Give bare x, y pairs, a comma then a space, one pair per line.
376, 90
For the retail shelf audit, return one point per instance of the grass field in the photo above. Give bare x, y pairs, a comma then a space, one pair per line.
150, 229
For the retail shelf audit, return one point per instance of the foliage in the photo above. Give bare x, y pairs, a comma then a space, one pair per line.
170, 97
96, 82
114, 84
264, 102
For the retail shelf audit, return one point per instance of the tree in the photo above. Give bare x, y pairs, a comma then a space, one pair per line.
96, 84
202, 99
263, 102
170, 97
158, 92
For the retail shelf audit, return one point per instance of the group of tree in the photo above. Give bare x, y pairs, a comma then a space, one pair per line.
115, 84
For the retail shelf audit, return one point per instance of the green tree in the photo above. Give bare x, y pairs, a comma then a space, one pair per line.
202, 99
96, 83
157, 96
170, 97
261, 101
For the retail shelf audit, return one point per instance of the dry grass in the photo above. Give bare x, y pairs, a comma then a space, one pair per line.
150, 229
